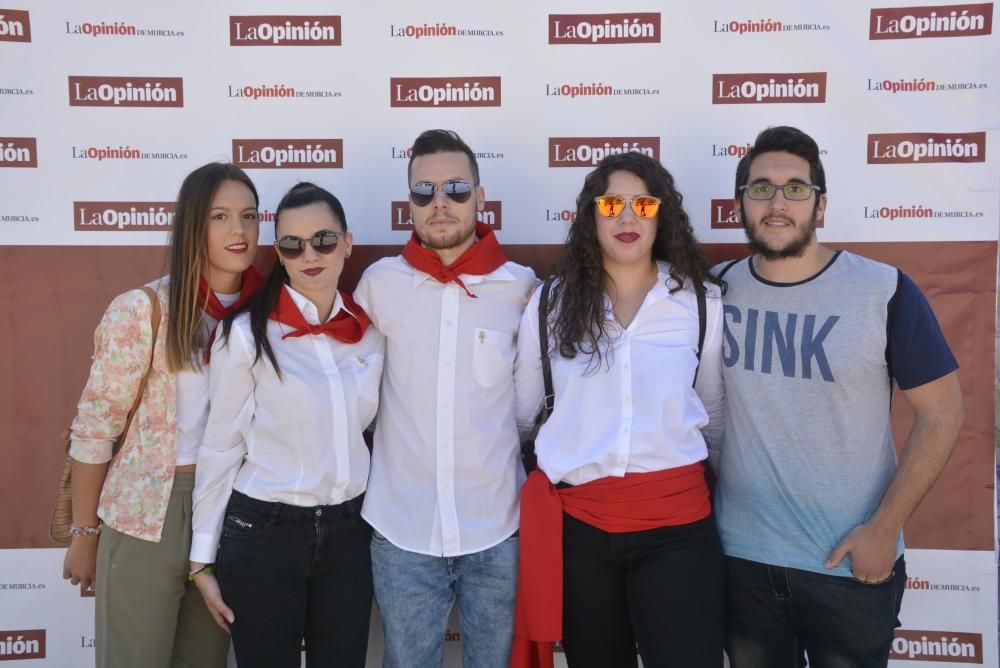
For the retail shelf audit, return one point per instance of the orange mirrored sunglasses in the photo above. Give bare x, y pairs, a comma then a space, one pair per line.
644, 206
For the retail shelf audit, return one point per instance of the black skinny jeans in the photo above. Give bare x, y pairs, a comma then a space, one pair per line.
291, 573
659, 588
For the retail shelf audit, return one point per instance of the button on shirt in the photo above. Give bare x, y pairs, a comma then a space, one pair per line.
636, 411
296, 439
192, 395
446, 469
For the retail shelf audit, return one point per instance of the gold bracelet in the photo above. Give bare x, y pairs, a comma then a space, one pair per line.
207, 568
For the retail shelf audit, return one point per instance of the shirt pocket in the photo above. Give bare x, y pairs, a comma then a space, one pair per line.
367, 373
492, 357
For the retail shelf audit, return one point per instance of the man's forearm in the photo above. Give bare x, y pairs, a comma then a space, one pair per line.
925, 453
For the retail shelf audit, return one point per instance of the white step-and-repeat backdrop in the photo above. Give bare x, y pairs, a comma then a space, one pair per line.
104, 107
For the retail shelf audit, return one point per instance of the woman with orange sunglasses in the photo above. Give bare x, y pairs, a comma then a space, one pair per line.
631, 316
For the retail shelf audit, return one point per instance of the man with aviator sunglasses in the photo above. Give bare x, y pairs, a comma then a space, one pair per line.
446, 471
810, 499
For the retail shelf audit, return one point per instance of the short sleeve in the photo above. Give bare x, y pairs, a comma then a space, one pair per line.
917, 350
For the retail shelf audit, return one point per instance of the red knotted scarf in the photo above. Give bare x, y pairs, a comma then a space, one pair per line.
346, 326
481, 258
213, 308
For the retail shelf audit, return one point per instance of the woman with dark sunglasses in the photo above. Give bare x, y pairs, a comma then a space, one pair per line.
132, 510
621, 459
283, 467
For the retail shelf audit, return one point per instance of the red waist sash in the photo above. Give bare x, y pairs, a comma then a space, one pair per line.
636, 502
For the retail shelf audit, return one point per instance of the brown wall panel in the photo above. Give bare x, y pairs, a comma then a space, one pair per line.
53, 297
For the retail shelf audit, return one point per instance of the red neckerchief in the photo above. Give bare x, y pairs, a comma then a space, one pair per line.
347, 326
213, 308
481, 258
635, 502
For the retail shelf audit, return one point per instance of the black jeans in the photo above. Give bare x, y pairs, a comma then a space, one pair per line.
659, 588
290, 573
775, 616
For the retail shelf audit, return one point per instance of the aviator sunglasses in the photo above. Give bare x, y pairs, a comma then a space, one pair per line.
459, 190
644, 206
291, 247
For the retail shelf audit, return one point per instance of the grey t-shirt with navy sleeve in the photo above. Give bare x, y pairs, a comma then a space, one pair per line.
808, 367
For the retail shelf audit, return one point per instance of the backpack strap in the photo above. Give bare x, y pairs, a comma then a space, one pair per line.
699, 291
703, 315
543, 341
528, 457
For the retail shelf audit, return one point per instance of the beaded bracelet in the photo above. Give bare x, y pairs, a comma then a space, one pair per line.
74, 530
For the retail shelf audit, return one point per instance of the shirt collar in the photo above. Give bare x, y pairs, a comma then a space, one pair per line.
660, 289
308, 309
663, 281
501, 273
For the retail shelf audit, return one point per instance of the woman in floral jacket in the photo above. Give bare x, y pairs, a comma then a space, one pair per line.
132, 510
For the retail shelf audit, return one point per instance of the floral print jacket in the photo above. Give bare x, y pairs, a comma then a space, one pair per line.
137, 488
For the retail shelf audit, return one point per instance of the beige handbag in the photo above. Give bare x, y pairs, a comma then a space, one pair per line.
62, 514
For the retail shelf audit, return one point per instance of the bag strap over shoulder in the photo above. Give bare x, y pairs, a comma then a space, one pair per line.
61, 521
154, 319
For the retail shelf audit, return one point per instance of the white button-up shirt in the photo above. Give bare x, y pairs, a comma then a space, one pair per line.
446, 469
637, 410
296, 439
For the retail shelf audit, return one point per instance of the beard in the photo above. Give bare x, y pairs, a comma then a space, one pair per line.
794, 248
452, 239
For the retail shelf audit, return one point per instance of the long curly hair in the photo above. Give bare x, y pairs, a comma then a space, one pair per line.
580, 326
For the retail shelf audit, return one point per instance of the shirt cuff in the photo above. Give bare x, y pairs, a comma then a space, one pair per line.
203, 547
90, 450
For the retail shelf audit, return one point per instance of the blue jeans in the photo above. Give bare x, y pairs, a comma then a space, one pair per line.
776, 616
415, 593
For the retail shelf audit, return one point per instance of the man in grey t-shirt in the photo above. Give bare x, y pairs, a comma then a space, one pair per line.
810, 500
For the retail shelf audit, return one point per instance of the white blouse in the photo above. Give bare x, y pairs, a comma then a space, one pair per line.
637, 410
192, 395
296, 439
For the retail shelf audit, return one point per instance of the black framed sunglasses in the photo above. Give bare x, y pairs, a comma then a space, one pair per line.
291, 246
459, 190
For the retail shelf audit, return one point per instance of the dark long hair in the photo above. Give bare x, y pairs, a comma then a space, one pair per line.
581, 326
263, 302
188, 258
